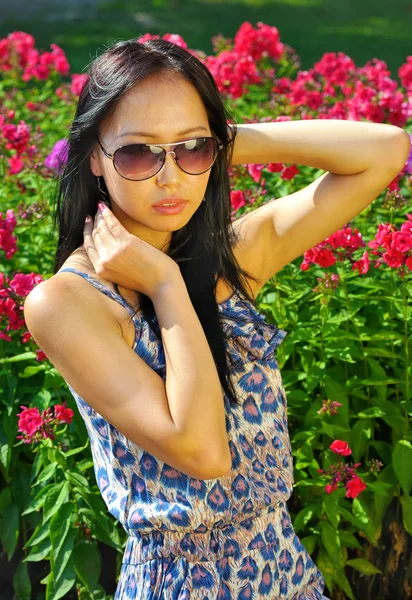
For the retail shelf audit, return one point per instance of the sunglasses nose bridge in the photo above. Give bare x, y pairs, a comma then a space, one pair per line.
174, 158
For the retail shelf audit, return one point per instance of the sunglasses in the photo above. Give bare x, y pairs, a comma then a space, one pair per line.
141, 161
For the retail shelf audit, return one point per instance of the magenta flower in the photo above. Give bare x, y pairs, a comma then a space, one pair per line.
57, 158
409, 162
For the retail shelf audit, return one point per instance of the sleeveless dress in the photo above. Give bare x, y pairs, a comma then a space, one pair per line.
229, 538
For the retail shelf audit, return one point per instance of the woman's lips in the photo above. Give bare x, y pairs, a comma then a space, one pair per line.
170, 210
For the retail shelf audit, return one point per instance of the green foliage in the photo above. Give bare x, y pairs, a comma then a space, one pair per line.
350, 345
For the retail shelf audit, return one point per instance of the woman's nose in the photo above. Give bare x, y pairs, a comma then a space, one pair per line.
170, 168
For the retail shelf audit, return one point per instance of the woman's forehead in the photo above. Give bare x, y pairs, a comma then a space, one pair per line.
157, 107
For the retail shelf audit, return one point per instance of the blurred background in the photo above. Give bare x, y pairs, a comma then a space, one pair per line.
363, 29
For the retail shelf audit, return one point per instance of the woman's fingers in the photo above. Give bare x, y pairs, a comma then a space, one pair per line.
113, 225
89, 244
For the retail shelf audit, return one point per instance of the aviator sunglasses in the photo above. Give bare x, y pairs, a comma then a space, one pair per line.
137, 162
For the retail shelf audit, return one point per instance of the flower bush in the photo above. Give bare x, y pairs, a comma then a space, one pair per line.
346, 305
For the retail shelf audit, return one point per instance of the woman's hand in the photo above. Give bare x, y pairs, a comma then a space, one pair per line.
126, 259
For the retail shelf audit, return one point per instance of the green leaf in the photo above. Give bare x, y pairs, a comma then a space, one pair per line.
359, 525
63, 555
30, 371
37, 502
310, 542
39, 552
55, 498
41, 532
386, 381
331, 508
48, 472
305, 515
5, 499
106, 533
59, 526
21, 582
325, 565
402, 465
363, 566
76, 450
87, 562
373, 412
9, 529
406, 503
384, 449
361, 434
331, 541
18, 357
348, 539
342, 581
77, 479
58, 588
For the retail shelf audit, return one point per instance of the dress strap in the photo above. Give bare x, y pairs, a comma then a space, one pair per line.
103, 288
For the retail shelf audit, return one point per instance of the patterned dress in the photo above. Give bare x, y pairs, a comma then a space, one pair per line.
229, 538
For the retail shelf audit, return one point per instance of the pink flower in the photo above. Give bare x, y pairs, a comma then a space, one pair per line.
30, 420
290, 172
237, 199
175, 38
362, 264
340, 447
18, 136
16, 164
331, 487
330, 407
63, 413
255, 171
58, 157
354, 487
275, 167
259, 42
22, 284
78, 83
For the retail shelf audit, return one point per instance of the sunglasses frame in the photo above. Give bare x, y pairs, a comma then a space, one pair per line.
162, 146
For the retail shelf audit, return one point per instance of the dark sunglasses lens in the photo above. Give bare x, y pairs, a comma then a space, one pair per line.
137, 161
197, 156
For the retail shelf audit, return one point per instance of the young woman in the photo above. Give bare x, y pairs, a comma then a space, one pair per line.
151, 317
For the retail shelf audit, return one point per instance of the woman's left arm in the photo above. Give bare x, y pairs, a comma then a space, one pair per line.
338, 146
361, 160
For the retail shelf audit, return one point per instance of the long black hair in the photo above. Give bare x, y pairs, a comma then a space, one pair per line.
203, 248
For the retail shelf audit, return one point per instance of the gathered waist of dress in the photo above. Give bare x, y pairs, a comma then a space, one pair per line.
229, 539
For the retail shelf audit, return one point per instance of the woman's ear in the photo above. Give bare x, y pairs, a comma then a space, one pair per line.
95, 162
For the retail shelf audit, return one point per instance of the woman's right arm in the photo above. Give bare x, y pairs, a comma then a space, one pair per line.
193, 387
180, 421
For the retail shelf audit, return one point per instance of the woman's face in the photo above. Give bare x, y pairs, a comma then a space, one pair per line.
162, 107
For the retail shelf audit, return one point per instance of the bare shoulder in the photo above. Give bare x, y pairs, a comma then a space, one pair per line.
64, 287
60, 294
251, 247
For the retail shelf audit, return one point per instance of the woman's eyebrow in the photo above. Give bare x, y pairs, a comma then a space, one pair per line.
150, 135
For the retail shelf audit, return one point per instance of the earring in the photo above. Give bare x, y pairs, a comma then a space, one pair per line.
105, 198
204, 199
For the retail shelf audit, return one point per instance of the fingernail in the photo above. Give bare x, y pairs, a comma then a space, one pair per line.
101, 206
88, 219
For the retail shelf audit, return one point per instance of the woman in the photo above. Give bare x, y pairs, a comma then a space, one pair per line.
177, 379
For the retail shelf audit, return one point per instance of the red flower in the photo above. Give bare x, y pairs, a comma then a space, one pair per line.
290, 172
78, 82
30, 420
340, 447
237, 199
354, 487
62, 413
275, 167
16, 164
